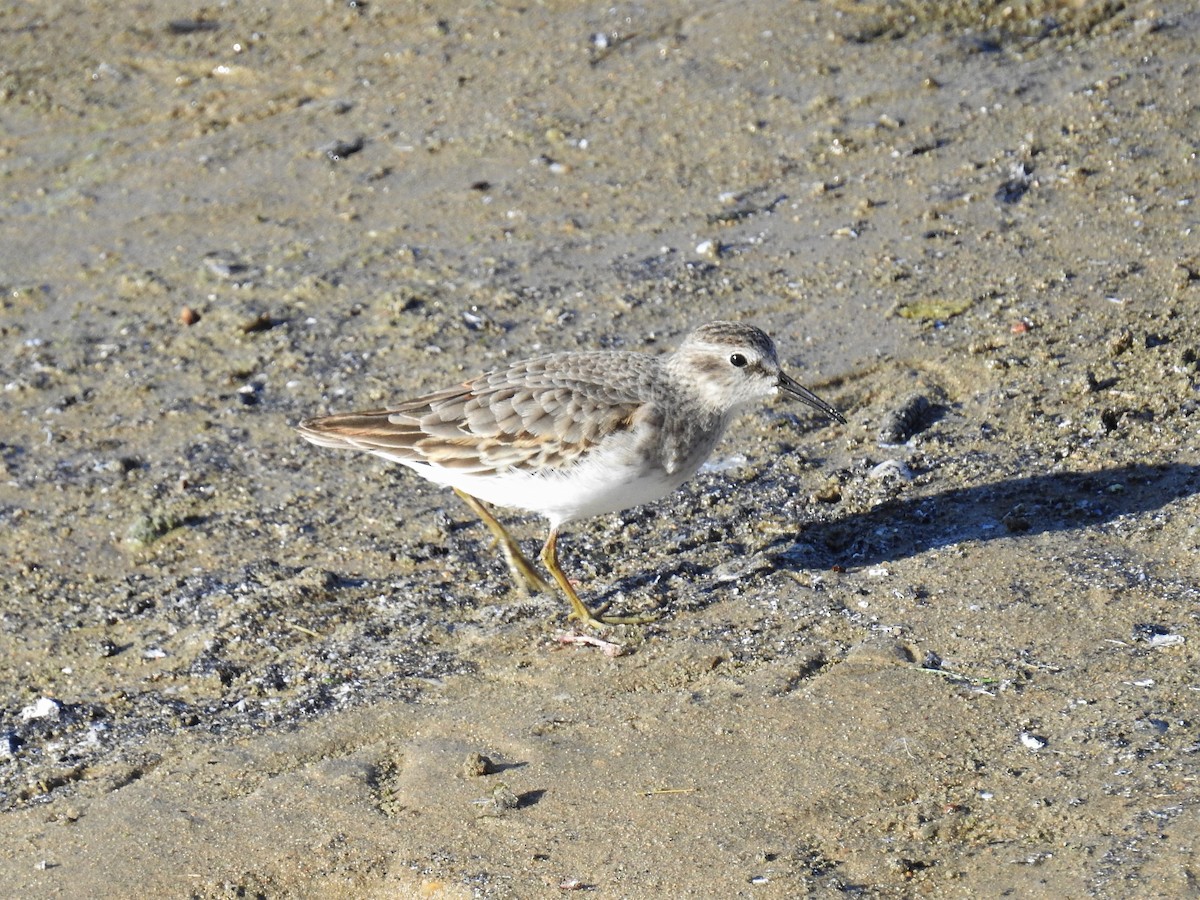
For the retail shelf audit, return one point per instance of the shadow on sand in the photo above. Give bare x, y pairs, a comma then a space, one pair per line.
1036, 504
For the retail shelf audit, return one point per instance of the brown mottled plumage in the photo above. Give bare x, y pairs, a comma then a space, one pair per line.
572, 435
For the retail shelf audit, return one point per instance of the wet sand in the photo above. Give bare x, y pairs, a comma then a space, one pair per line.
945, 650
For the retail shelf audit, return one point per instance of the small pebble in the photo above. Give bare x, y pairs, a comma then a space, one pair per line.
1016, 519
913, 415
501, 802
261, 322
336, 151
476, 764
147, 529
191, 26
1120, 342
9, 744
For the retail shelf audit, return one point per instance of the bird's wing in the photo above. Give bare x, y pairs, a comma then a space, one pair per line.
541, 413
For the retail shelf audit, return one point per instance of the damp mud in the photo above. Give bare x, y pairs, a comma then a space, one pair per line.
948, 649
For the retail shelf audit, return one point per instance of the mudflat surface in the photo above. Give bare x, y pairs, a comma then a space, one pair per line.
948, 649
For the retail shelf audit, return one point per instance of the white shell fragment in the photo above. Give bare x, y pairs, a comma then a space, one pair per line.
1158, 641
891, 469
44, 708
1031, 741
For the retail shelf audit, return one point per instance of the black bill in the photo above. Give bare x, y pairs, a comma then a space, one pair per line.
793, 388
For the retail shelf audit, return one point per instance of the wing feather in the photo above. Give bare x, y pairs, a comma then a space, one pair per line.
541, 413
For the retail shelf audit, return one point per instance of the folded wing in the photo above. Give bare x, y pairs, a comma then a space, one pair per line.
542, 413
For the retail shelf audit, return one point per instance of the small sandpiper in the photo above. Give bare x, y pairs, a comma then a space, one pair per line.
574, 435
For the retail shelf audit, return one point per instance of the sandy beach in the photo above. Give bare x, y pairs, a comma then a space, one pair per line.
948, 649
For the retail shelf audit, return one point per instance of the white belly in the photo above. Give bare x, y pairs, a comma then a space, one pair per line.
587, 489
618, 474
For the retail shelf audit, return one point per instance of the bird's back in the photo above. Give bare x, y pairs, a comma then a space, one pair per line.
541, 413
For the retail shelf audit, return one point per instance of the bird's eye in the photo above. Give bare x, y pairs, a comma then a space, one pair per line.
737, 360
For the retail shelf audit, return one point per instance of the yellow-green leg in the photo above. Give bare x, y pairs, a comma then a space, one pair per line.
522, 569
578, 610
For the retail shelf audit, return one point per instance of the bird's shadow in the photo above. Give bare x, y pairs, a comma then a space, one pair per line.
1034, 504
906, 527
